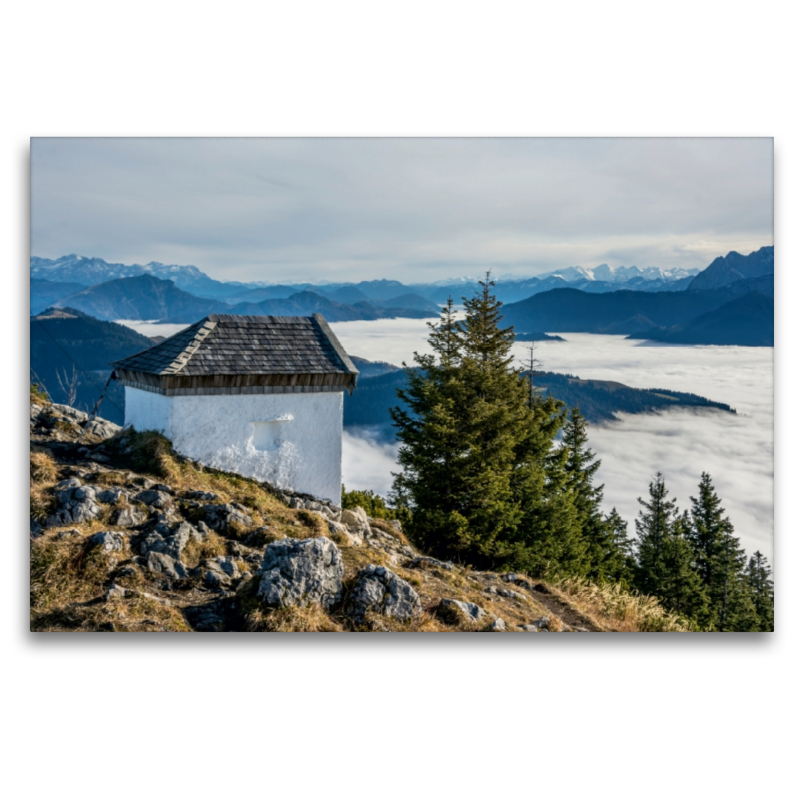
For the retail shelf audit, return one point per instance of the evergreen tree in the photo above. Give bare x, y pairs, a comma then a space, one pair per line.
681, 590
762, 590
719, 562
653, 527
605, 550
620, 562
479, 470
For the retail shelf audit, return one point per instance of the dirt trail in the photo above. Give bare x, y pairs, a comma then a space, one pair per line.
560, 609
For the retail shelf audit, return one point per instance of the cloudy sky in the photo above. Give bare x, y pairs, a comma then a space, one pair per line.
409, 209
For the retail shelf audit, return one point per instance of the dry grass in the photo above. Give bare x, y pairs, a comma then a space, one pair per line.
44, 474
43, 467
38, 396
616, 609
387, 527
65, 571
199, 550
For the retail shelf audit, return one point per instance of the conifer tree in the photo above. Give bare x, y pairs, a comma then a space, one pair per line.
719, 562
681, 590
605, 551
653, 528
479, 469
619, 563
762, 590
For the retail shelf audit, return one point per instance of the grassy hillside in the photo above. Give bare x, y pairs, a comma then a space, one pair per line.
78, 584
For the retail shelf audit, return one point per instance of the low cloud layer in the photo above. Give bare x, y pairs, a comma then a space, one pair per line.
737, 450
411, 209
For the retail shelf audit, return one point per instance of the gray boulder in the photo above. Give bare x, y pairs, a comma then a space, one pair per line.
355, 518
169, 540
299, 572
76, 503
102, 428
154, 498
165, 564
220, 571
498, 625
452, 610
220, 517
69, 412
108, 541
129, 517
112, 495
421, 562
378, 589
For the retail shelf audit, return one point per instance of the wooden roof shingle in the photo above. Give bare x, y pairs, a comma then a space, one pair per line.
225, 344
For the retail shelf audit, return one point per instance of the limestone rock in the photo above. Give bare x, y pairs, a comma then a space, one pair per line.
112, 495
154, 498
220, 517
165, 564
69, 412
102, 428
423, 562
453, 610
108, 541
355, 518
498, 625
299, 572
169, 540
129, 517
378, 589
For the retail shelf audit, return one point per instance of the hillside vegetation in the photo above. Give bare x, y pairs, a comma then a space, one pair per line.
158, 543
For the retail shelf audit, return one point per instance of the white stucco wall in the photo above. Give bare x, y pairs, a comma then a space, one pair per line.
293, 441
148, 411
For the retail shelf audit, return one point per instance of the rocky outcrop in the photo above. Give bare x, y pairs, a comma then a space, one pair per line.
379, 590
298, 572
75, 503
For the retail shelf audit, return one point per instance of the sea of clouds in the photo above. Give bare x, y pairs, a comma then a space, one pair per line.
737, 450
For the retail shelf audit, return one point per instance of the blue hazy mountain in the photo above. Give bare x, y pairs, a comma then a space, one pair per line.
734, 267
747, 321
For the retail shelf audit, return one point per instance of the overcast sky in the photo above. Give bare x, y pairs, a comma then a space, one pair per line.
409, 209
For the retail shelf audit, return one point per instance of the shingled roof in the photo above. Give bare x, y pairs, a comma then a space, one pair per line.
224, 351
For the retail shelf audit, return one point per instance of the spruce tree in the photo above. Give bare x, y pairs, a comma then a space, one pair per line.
720, 563
682, 590
480, 473
653, 528
762, 590
620, 562
605, 551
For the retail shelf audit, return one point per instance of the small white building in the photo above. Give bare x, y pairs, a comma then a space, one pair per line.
258, 396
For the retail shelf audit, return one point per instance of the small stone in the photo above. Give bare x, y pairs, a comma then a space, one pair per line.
110, 495
108, 541
497, 625
115, 592
154, 498
163, 563
450, 610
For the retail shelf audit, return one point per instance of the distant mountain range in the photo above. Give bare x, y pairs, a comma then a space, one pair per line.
87, 272
747, 321
735, 267
648, 302
145, 297
683, 316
